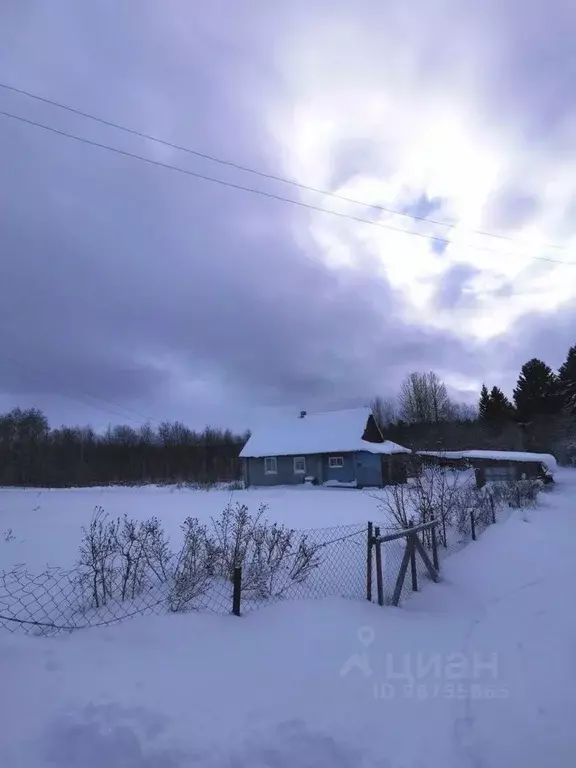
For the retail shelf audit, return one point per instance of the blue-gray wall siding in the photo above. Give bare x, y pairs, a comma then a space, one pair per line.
254, 468
345, 474
369, 469
363, 466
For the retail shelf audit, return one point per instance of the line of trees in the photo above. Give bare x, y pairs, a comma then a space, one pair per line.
33, 454
541, 416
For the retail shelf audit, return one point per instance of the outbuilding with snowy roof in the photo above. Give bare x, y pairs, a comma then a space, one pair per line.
335, 448
497, 466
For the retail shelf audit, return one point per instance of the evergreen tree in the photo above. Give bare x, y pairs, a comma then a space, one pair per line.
537, 391
500, 410
483, 403
567, 381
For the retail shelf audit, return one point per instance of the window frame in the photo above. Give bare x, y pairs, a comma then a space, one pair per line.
338, 459
273, 459
299, 459
499, 474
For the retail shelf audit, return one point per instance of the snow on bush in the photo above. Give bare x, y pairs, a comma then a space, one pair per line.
121, 559
451, 496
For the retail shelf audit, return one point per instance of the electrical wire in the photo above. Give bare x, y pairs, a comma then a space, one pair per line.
247, 169
270, 195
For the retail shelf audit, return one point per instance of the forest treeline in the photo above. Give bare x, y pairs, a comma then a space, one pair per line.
540, 416
33, 454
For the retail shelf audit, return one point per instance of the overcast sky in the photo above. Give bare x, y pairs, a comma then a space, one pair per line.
132, 292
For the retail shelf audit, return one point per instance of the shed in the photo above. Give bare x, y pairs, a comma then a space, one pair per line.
498, 466
448, 459
334, 448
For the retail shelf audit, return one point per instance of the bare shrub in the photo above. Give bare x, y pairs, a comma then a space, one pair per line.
434, 493
277, 558
451, 496
523, 493
143, 555
272, 557
234, 534
156, 549
119, 558
194, 568
97, 557
397, 503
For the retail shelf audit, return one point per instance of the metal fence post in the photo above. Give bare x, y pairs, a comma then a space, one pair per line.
370, 544
410, 543
472, 525
237, 591
379, 581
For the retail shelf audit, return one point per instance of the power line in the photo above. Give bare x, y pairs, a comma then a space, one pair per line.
246, 169
80, 398
269, 195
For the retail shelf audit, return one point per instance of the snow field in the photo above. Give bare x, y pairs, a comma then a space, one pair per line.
46, 524
475, 671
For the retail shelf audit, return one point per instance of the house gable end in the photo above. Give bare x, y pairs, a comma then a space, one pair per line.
372, 432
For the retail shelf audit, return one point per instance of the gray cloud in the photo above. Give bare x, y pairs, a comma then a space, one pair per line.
124, 283
510, 209
452, 291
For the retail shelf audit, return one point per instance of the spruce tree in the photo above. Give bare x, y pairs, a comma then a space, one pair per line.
537, 391
483, 403
567, 381
500, 409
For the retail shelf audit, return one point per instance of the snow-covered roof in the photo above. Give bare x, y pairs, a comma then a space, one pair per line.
543, 458
329, 432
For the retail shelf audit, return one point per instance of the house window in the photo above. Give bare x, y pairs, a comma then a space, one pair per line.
499, 474
270, 465
299, 465
336, 462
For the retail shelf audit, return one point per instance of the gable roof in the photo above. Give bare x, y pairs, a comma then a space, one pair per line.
329, 432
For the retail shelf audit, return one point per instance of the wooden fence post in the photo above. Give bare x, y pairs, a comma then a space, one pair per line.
473, 525
410, 540
402, 571
435, 548
370, 544
237, 591
379, 582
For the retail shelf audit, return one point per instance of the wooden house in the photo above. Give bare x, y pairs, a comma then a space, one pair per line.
338, 448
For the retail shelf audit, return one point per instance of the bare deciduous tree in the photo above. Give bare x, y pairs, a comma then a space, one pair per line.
384, 410
424, 399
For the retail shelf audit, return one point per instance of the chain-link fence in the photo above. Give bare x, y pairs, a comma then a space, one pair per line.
126, 568
57, 600
331, 563
276, 563
462, 515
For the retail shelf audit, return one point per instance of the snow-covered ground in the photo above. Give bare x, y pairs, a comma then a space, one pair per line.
46, 525
479, 670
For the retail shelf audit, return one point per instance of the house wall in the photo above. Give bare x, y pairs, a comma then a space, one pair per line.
364, 467
368, 469
516, 468
345, 474
400, 463
254, 468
